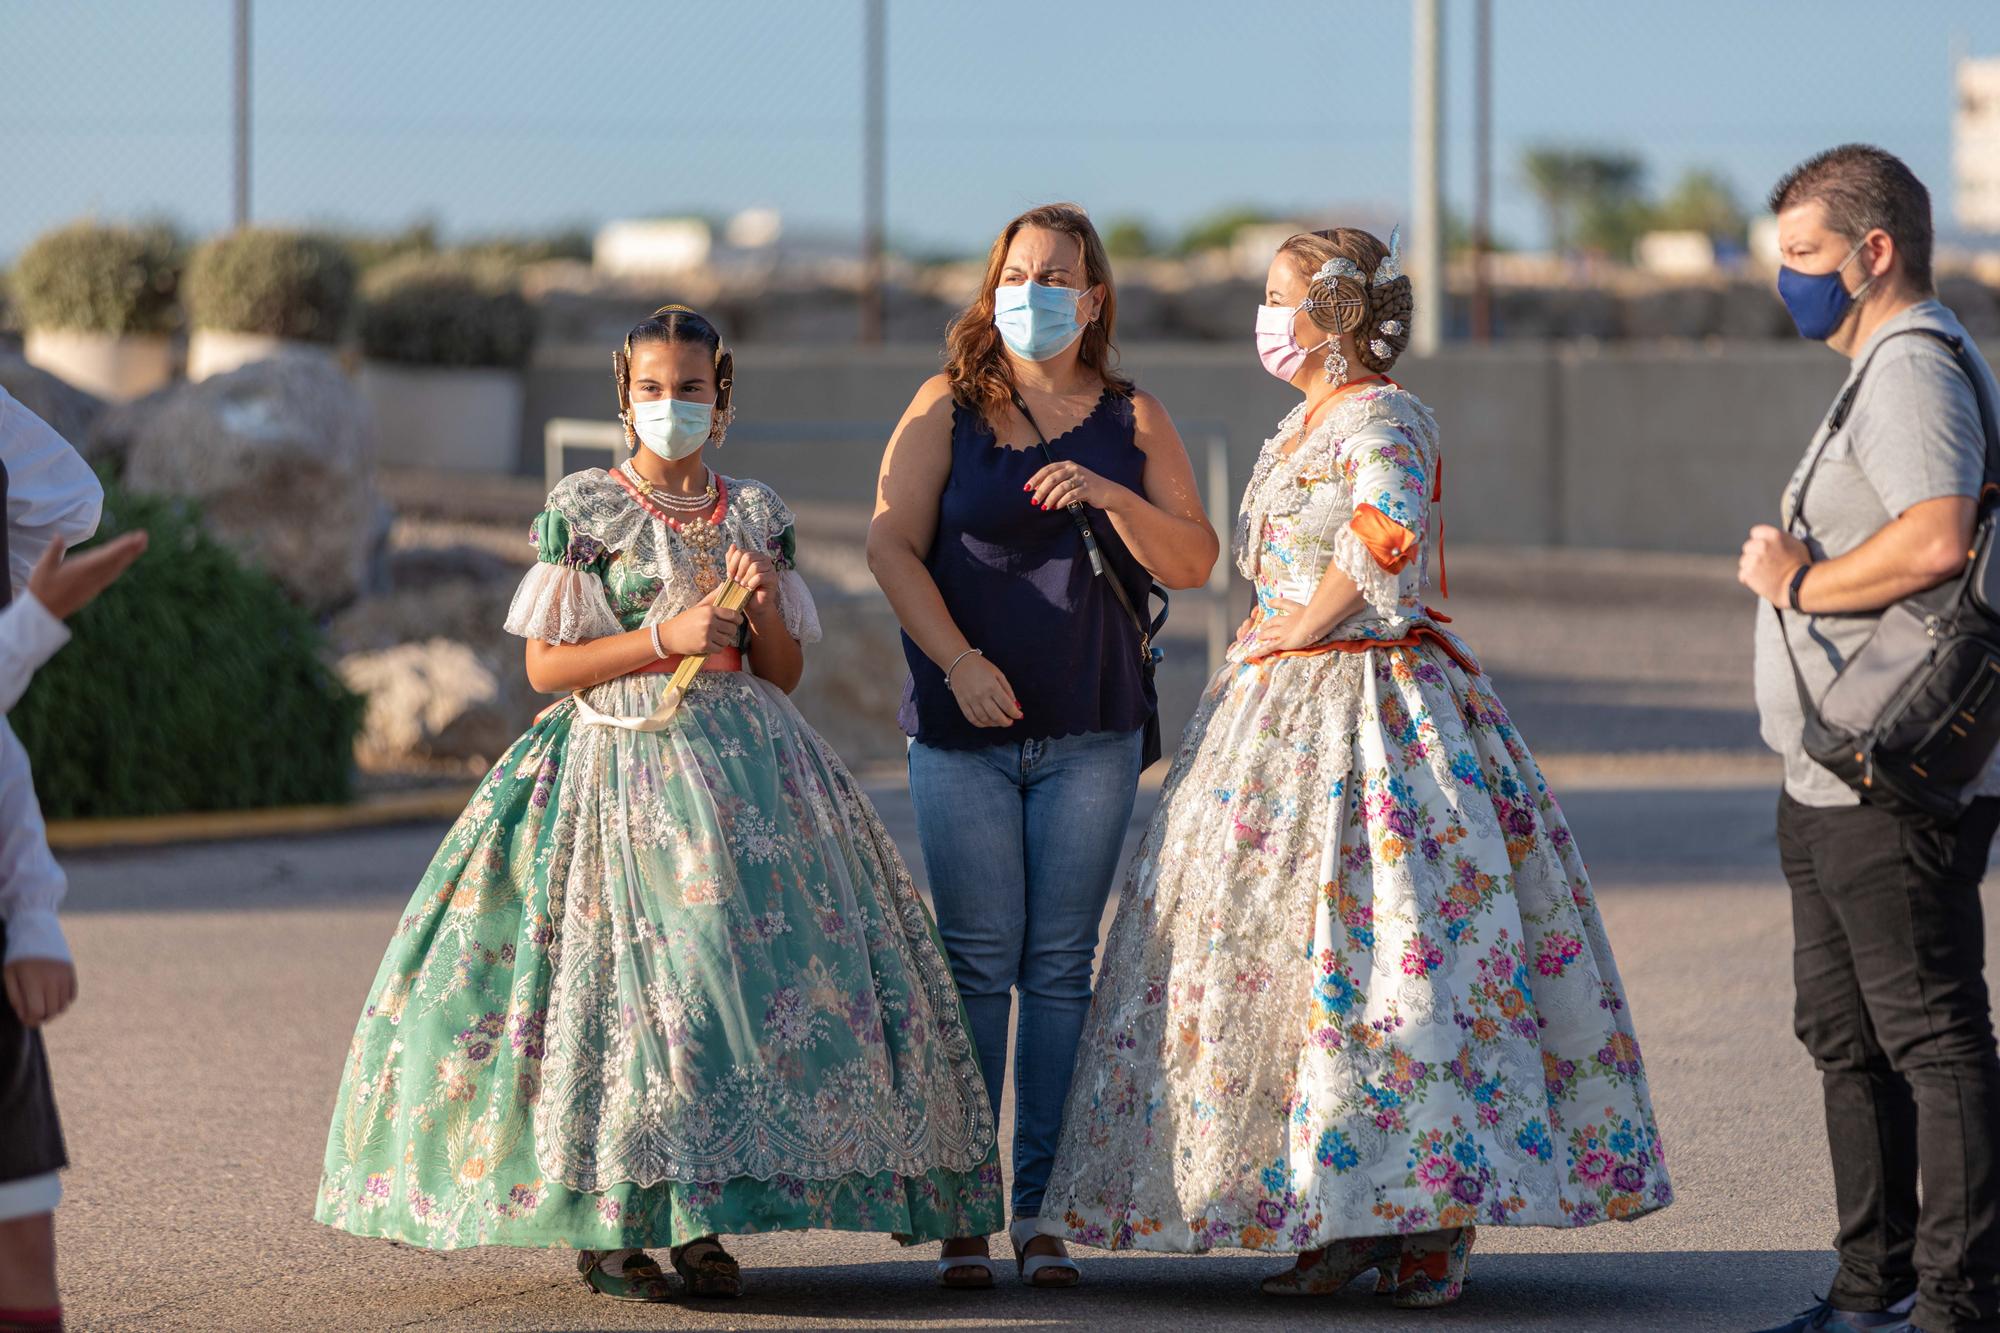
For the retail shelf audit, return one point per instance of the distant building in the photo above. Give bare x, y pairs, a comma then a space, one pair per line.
1675, 254
649, 248
1975, 146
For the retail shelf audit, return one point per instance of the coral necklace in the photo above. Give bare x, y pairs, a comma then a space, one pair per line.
700, 531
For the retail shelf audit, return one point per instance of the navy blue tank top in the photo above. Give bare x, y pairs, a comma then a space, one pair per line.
1018, 583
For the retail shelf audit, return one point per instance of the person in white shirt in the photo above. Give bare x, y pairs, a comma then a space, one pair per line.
52, 499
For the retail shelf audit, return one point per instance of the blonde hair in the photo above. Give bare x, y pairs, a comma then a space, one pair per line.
1355, 306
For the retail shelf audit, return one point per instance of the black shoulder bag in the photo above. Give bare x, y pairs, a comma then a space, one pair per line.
1149, 656
1912, 719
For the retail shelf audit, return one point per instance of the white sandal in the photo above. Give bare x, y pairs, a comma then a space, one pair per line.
1030, 1266
951, 1263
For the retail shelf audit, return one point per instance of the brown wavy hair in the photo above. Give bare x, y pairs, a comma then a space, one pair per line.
1343, 305
974, 358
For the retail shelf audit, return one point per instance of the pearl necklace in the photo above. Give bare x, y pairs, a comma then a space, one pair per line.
687, 504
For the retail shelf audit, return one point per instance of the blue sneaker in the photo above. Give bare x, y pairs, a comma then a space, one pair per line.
1823, 1318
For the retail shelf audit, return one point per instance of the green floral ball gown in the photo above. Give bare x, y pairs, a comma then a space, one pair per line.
658, 985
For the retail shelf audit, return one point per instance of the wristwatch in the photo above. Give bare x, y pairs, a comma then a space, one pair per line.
1798, 580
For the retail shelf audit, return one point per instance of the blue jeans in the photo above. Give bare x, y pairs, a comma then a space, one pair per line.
1020, 842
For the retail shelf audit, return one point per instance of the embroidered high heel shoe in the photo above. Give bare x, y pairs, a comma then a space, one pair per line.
1431, 1270
1338, 1264
707, 1268
638, 1278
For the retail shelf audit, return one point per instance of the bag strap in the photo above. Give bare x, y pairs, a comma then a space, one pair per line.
1837, 418
1089, 535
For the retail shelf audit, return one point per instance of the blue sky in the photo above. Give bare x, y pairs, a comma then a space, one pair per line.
511, 115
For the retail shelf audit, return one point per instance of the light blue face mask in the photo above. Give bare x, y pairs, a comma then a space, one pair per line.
671, 428
1036, 322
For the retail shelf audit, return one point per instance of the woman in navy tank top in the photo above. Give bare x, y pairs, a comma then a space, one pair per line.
1027, 701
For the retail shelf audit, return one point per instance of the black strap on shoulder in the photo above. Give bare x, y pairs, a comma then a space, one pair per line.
1837, 418
6, 569
1089, 535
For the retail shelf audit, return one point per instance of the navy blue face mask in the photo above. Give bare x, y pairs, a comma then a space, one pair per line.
1818, 302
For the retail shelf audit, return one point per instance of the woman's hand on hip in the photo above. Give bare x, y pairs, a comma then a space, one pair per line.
1060, 485
983, 694
1284, 630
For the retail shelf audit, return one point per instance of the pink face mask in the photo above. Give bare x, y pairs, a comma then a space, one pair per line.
1277, 347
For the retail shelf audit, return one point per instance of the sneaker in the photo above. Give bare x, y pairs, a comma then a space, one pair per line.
1823, 1318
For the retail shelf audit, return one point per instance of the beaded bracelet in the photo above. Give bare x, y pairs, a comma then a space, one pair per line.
658, 651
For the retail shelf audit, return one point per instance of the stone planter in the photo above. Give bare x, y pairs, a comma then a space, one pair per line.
446, 417
218, 351
109, 365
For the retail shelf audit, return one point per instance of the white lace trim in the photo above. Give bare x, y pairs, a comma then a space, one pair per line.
1274, 482
1382, 589
795, 603
557, 604
595, 504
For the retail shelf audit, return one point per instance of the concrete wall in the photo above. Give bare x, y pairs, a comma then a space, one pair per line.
1640, 448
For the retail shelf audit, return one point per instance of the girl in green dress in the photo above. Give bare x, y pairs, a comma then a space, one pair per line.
667, 977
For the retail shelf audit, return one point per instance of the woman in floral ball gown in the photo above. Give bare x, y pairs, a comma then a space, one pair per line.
667, 977
1357, 999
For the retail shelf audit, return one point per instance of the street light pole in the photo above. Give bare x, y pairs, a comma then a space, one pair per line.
1482, 170
873, 130
240, 205
1426, 267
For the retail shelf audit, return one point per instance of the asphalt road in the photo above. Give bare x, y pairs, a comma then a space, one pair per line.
221, 984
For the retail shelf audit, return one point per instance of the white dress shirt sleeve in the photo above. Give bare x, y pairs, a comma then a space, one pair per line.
29, 636
51, 491
31, 883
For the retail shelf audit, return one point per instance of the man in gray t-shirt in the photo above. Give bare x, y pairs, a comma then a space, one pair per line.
1888, 957
1912, 435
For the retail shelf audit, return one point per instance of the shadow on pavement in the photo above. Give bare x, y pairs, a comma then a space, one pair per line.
1669, 1289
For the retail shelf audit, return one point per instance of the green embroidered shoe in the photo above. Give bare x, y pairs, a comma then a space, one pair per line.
707, 1268
641, 1280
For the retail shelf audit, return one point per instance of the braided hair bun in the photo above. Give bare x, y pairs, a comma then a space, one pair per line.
1376, 316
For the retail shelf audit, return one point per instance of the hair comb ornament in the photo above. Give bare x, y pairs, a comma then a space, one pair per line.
1391, 267
1390, 327
1340, 266
1379, 348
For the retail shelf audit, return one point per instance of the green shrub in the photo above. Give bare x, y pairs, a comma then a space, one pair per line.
282, 283
445, 311
191, 684
91, 278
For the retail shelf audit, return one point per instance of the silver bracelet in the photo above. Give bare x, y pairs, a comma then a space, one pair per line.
658, 651
969, 652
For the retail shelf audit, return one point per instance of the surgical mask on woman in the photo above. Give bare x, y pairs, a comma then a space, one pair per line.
1277, 345
671, 428
1036, 322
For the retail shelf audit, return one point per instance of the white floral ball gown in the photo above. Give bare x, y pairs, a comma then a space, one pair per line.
1357, 984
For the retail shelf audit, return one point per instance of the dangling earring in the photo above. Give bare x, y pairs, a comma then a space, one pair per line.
631, 439
1336, 366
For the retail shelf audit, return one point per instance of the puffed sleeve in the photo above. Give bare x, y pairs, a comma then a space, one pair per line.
562, 599
51, 491
795, 600
1377, 547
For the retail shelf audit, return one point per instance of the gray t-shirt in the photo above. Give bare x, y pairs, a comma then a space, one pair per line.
1913, 434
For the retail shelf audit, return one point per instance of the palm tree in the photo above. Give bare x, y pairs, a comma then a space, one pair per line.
1581, 183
